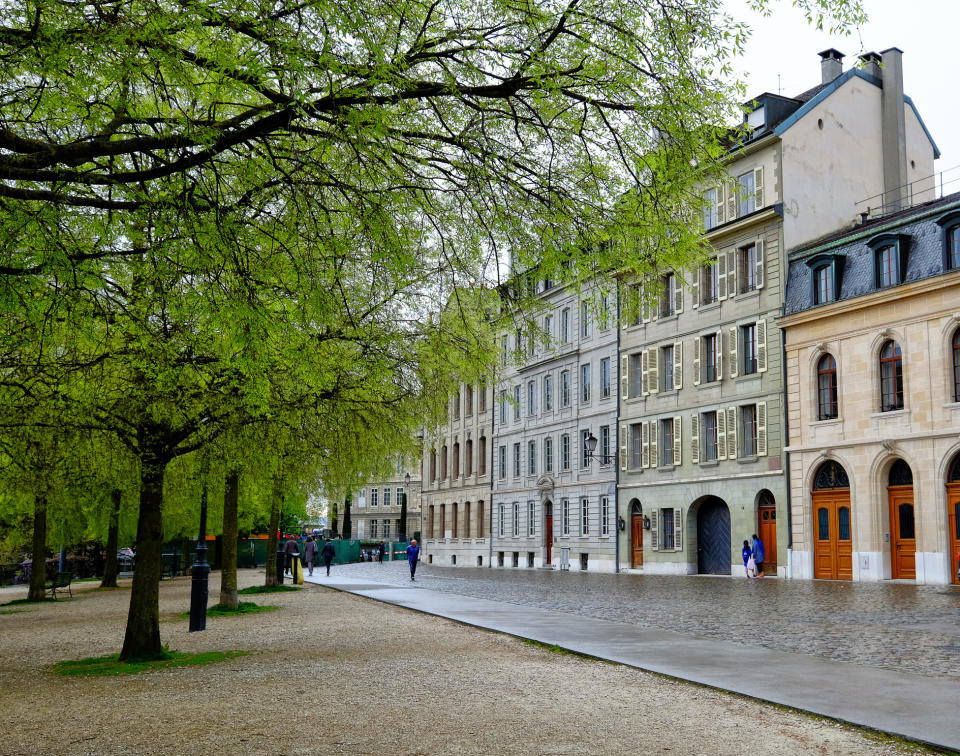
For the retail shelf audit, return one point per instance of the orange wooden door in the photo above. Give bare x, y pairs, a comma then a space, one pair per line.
903, 540
548, 533
767, 531
953, 519
832, 541
636, 529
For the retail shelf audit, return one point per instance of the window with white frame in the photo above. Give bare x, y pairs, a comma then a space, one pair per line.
636, 445
386, 496
502, 469
565, 505
709, 209
548, 454
516, 402
668, 295
565, 325
584, 448
516, 519
747, 268
584, 320
605, 515
565, 452
584, 516
667, 366
708, 436
585, 383
531, 457
547, 393
504, 349
710, 283
516, 460
666, 442
637, 375
501, 511
373, 528
531, 518
746, 193
482, 391
748, 430
748, 339
531, 398
666, 529
564, 388
548, 328
605, 377
386, 528
503, 406
374, 494
605, 456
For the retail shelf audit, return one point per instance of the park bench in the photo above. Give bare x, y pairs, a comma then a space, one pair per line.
60, 581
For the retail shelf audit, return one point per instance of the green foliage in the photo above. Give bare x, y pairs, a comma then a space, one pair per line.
109, 666
244, 607
283, 588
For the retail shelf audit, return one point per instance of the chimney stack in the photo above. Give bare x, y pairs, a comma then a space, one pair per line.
871, 64
893, 129
831, 65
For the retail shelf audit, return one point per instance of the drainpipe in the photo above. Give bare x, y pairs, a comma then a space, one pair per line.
786, 435
493, 437
616, 466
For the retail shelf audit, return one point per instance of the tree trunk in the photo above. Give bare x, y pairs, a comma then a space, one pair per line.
276, 502
228, 569
112, 567
38, 574
142, 639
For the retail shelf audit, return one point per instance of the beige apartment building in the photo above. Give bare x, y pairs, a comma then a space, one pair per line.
872, 331
376, 514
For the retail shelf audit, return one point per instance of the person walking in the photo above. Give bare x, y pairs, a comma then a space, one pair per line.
413, 556
310, 553
290, 549
381, 549
327, 555
758, 555
748, 562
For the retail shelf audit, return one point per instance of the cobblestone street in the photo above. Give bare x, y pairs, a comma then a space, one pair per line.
893, 626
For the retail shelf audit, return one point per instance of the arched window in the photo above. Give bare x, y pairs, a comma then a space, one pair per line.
891, 377
826, 388
956, 366
830, 475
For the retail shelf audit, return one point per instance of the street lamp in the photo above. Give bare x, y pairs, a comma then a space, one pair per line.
605, 459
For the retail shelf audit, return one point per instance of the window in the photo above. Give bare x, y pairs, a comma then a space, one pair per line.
710, 284
605, 457
501, 512
823, 285
504, 349
548, 455
456, 406
433, 464
374, 495
456, 460
443, 463
584, 320
605, 377
709, 209
666, 360
746, 194
747, 268
956, 371
953, 246
566, 517
503, 406
584, 450
605, 515
584, 516
400, 495
516, 402
891, 377
584, 383
666, 442
826, 388
636, 375
468, 458
480, 517
503, 462
565, 452
516, 519
431, 522
547, 393
548, 328
531, 518
531, 339
466, 520
668, 295
531, 457
386, 496
748, 337
454, 519
531, 398
516, 460
886, 266
468, 401
386, 528
711, 357
565, 326
748, 430
482, 462
518, 341
666, 529
373, 528
708, 436
636, 445
483, 397
565, 388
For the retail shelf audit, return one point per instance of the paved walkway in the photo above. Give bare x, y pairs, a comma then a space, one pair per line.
560, 609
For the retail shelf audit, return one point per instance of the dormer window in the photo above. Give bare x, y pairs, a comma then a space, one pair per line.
889, 259
887, 273
825, 277
756, 119
950, 223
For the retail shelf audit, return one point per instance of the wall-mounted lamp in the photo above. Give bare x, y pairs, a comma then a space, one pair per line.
621, 524
605, 459
646, 523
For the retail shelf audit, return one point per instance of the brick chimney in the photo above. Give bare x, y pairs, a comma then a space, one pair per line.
894, 133
831, 65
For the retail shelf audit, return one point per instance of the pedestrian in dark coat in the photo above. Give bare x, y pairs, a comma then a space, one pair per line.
327, 555
310, 553
291, 549
381, 549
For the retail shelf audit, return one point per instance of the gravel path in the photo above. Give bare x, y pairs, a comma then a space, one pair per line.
334, 673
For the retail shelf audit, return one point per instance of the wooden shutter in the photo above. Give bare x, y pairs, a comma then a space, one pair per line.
678, 364
721, 434
761, 346
760, 267
758, 188
677, 429
677, 294
697, 348
761, 429
654, 447
677, 530
719, 348
623, 446
721, 276
695, 287
733, 351
732, 273
655, 529
731, 432
695, 438
653, 370
624, 377
644, 445
721, 205
732, 192
643, 373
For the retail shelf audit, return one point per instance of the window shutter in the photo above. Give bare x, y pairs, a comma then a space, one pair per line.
761, 429
677, 430
677, 530
655, 529
719, 347
731, 432
697, 347
653, 370
678, 295
721, 276
695, 287
695, 438
731, 200
624, 377
643, 373
761, 346
678, 364
644, 445
758, 187
654, 447
733, 347
760, 267
623, 446
721, 205
721, 434
732, 274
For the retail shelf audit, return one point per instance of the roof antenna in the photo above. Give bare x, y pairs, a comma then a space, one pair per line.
779, 88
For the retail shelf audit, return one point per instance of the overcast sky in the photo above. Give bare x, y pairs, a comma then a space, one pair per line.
926, 30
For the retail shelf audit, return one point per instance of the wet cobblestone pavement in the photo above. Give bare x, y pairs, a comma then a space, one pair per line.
888, 625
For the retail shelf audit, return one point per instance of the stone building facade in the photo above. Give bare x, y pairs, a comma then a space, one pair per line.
376, 513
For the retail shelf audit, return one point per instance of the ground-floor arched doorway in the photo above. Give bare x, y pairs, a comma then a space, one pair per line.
713, 537
903, 536
767, 530
636, 534
832, 542
548, 531
953, 516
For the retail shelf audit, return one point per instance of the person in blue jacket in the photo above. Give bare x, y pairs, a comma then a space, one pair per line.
413, 555
747, 553
758, 554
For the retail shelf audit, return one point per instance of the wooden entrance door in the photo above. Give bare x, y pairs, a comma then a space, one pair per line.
636, 541
832, 544
953, 518
767, 530
548, 533
903, 539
